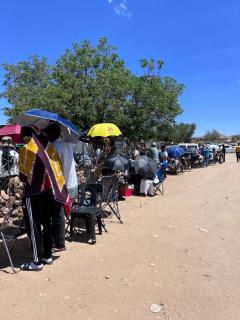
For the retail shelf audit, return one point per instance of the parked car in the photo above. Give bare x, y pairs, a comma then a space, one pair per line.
189, 146
213, 146
230, 148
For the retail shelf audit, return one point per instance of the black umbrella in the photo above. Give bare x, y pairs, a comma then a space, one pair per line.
145, 167
117, 163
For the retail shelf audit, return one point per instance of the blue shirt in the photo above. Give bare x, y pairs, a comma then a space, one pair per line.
206, 152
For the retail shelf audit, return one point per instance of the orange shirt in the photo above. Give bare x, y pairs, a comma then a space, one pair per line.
237, 149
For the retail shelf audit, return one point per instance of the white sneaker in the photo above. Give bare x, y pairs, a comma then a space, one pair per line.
47, 260
31, 266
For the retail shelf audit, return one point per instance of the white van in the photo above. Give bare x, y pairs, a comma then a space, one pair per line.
187, 146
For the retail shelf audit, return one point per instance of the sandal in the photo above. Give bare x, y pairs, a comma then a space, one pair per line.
31, 266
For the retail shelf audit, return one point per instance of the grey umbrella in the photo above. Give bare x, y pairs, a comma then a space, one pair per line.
145, 167
117, 163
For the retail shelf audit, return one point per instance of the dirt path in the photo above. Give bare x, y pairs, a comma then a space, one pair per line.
180, 250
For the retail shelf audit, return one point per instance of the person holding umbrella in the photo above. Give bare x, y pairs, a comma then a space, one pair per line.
147, 169
40, 171
65, 153
69, 133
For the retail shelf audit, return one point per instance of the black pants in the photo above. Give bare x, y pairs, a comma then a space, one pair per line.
37, 215
224, 154
58, 225
238, 156
135, 179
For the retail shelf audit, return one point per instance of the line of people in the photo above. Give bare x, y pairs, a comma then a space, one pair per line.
159, 155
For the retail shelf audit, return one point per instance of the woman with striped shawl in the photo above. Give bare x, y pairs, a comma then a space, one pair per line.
41, 172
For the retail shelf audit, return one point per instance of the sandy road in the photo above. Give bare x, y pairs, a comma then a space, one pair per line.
180, 250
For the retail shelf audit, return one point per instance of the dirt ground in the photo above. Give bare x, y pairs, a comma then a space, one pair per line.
180, 251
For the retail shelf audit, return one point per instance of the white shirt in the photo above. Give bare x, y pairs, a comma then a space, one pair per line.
163, 155
65, 153
14, 169
136, 154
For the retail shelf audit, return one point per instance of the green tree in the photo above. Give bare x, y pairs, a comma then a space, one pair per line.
212, 136
86, 85
25, 84
235, 138
177, 132
153, 103
91, 84
184, 131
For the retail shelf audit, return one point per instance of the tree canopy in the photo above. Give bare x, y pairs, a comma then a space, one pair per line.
235, 138
212, 136
91, 84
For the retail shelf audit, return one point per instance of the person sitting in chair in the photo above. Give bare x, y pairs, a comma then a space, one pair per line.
146, 187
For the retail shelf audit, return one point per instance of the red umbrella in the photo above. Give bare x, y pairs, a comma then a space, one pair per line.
13, 131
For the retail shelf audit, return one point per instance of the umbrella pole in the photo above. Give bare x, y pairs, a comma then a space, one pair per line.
8, 162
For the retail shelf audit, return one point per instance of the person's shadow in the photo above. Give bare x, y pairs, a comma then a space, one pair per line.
20, 253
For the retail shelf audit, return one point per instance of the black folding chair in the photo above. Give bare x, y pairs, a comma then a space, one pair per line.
10, 233
89, 209
75, 204
110, 195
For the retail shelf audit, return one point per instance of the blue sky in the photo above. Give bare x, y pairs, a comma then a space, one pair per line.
197, 40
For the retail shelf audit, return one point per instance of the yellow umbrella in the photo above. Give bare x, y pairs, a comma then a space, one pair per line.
104, 130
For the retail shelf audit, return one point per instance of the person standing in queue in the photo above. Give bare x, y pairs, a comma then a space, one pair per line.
223, 152
206, 155
65, 153
153, 152
238, 151
44, 184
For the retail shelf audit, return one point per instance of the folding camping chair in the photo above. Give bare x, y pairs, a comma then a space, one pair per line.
10, 233
110, 195
89, 209
158, 186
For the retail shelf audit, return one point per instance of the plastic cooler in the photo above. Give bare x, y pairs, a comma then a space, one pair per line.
127, 191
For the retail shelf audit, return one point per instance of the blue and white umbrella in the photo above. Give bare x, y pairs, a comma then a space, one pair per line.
41, 119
